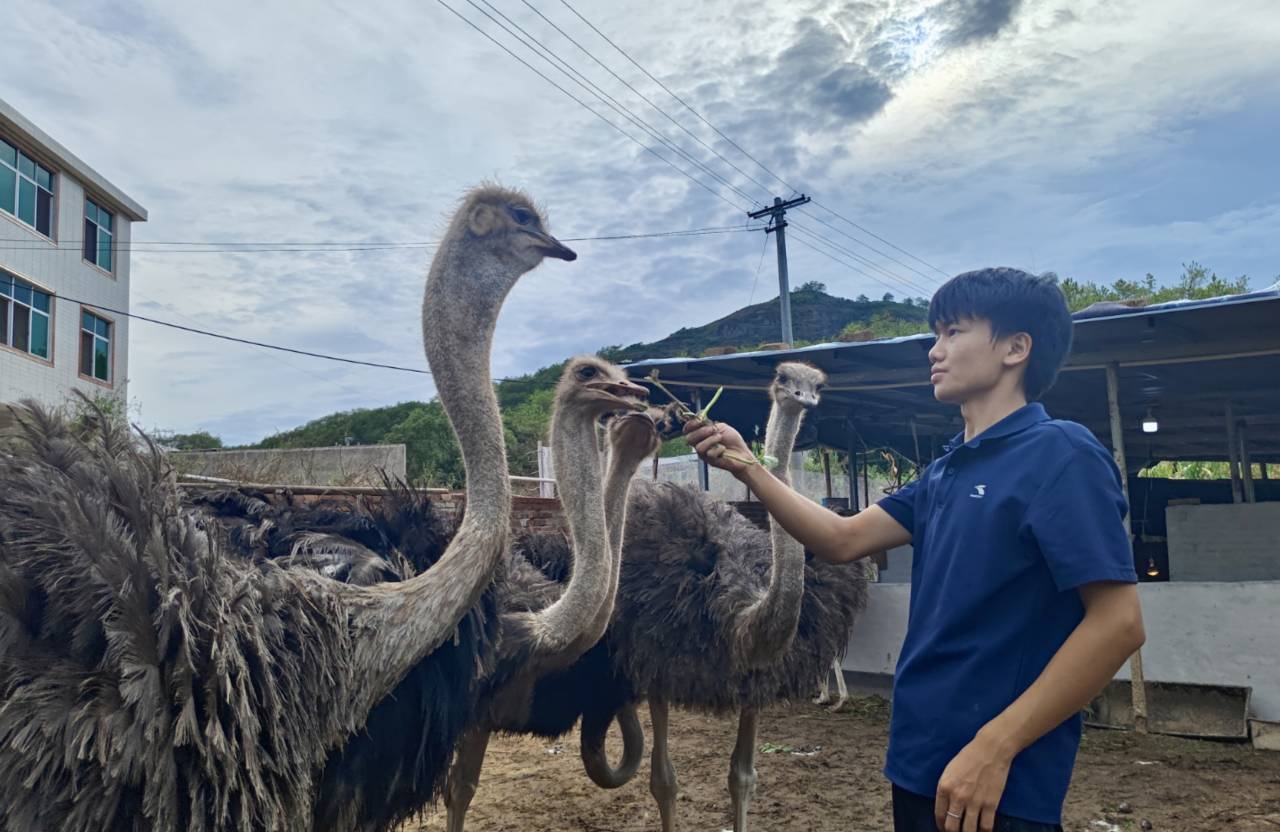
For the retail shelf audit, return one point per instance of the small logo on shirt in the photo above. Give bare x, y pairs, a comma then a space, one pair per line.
979, 491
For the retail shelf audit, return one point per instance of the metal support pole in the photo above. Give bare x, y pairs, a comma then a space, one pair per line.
1137, 679
1233, 456
826, 471
1246, 462
777, 214
854, 502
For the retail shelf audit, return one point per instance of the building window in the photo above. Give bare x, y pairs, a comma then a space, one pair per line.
98, 227
26, 189
25, 313
95, 347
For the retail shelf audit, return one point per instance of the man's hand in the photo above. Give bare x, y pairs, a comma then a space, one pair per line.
712, 440
971, 787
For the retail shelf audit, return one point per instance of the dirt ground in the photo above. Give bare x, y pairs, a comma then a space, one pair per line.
821, 771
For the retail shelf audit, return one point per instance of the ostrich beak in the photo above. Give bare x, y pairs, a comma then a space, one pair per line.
632, 395
552, 246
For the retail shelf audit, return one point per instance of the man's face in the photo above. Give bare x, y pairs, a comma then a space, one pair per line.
964, 362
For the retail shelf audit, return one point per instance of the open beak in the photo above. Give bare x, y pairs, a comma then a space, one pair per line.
633, 395
553, 247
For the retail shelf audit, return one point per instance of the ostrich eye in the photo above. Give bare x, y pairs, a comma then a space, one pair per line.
521, 215
782, 378
587, 373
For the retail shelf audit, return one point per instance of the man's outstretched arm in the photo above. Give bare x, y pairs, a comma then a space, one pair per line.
828, 535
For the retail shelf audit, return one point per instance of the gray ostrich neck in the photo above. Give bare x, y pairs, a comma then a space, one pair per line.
576, 456
622, 467
768, 626
780, 436
396, 625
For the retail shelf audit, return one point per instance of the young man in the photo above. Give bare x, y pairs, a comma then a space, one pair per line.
1023, 599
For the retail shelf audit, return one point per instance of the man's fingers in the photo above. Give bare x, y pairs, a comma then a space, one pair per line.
987, 823
693, 437
940, 804
971, 819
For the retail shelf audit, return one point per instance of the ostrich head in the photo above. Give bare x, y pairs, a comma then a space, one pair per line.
593, 385
667, 420
634, 434
505, 224
797, 384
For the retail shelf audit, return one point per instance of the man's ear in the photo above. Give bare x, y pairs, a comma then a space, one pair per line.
483, 219
1017, 349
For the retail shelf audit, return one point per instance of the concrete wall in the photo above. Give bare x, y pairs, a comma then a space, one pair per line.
56, 266
1234, 542
341, 465
1210, 633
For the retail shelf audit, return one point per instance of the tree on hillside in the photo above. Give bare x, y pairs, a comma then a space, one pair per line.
1196, 282
812, 286
200, 440
432, 454
888, 297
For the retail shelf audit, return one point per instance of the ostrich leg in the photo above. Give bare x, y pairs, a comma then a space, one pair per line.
662, 775
742, 768
842, 689
464, 777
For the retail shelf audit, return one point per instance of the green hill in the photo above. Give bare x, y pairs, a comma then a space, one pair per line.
526, 401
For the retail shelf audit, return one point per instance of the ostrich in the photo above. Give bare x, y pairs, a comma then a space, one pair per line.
372, 779
147, 681
690, 626
506, 695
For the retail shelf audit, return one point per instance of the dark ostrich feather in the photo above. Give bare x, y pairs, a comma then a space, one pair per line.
394, 769
151, 681
690, 564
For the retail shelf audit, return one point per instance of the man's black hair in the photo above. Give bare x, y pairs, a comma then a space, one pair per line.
1012, 301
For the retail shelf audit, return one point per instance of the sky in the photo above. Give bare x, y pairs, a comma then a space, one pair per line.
1098, 139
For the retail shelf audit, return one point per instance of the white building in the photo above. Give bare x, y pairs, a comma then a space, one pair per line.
64, 270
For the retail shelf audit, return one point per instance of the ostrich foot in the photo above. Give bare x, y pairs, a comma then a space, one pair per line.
742, 768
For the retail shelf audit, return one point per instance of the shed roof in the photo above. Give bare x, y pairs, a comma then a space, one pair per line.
1183, 359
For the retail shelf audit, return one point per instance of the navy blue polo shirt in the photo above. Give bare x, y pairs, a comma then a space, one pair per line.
1004, 527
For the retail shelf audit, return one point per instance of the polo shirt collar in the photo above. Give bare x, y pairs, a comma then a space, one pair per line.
1016, 422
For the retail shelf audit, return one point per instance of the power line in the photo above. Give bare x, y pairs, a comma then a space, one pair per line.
169, 247
248, 341
889, 257
646, 99
901, 281
734, 144
756, 279
561, 65
588, 108
586, 83
842, 262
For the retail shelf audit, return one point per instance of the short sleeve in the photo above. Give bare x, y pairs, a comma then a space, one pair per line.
1077, 519
901, 504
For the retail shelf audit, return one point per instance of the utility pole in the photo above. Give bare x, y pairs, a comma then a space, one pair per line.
778, 222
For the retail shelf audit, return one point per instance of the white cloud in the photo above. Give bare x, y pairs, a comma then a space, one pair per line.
1072, 136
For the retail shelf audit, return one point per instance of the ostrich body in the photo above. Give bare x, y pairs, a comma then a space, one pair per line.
150, 682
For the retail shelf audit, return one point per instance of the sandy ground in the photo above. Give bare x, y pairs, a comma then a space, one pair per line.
822, 772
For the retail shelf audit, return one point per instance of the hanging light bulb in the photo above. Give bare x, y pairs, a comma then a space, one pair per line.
1152, 570
1149, 423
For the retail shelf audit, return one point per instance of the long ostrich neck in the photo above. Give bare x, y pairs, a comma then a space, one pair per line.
576, 455
767, 626
623, 463
396, 625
